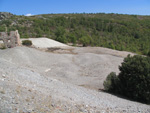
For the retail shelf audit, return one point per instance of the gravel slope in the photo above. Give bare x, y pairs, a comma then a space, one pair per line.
84, 69
37, 81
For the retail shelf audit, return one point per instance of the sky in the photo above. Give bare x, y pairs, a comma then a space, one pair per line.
34, 7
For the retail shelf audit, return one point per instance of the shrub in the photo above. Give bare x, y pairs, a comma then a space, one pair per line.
27, 42
111, 82
133, 80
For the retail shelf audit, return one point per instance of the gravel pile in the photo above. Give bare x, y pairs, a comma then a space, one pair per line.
37, 81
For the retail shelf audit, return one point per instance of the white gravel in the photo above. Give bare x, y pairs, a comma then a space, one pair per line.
37, 81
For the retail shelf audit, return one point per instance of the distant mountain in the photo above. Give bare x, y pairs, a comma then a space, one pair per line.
116, 31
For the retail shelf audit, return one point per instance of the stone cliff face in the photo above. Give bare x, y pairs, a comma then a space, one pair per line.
5, 15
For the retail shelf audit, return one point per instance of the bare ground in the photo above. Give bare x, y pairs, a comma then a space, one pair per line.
63, 79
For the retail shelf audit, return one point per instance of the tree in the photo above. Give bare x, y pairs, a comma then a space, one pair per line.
72, 38
120, 32
60, 31
61, 39
86, 40
133, 80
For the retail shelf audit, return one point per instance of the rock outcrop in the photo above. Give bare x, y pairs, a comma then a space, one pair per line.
5, 15
11, 40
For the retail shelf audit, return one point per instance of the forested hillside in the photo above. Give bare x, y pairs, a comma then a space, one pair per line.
116, 31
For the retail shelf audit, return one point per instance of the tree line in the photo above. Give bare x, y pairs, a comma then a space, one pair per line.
115, 31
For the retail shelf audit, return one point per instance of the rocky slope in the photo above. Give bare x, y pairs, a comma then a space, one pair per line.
5, 15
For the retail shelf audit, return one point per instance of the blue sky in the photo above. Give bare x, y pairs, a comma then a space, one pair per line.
23, 7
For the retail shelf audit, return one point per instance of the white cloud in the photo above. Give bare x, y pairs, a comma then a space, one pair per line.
28, 14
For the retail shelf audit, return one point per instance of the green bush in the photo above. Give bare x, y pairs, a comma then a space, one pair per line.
111, 82
133, 80
27, 42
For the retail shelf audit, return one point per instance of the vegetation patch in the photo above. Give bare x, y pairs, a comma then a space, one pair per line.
133, 80
27, 42
115, 31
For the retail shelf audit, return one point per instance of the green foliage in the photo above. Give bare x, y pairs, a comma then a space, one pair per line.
6, 23
115, 31
61, 39
133, 80
148, 54
2, 28
111, 82
27, 42
72, 38
59, 33
86, 40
